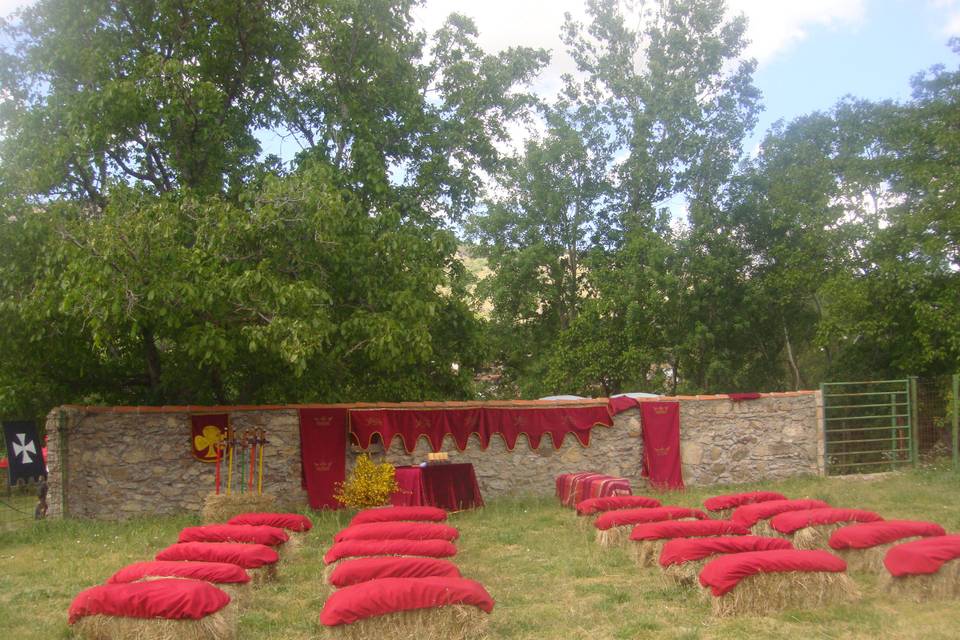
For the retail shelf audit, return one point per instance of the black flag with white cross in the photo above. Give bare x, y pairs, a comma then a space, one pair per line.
24, 452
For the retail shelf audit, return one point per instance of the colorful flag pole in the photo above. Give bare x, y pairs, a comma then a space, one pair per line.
230, 436
243, 462
253, 458
263, 441
218, 448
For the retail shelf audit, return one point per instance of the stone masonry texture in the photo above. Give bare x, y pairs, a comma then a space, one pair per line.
120, 464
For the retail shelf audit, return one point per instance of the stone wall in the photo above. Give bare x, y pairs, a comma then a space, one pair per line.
136, 460
127, 461
721, 442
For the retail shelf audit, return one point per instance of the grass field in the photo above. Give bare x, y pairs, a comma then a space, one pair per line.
548, 577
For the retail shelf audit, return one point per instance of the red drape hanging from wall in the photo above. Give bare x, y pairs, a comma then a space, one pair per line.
509, 422
661, 444
323, 454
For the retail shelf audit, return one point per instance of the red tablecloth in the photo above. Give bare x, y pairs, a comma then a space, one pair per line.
449, 486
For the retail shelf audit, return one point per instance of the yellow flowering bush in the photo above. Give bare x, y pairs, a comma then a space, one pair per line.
369, 484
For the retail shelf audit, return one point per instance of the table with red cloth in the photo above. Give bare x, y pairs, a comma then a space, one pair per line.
449, 486
573, 488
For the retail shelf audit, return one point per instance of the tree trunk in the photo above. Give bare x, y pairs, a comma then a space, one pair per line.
152, 355
797, 382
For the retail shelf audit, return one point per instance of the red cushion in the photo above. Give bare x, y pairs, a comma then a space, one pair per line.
220, 572
248, 556
734, 500
389, 595
871, 534
687, 529
172, 599
792, 521
922, 556
397, 531
623, 517
724, 573
610, 503
360, 570
680, 550
256, 534
394, 514
750, 514
288, 521
359, 548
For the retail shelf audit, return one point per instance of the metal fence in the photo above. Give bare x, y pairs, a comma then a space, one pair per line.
867, 426
883, 425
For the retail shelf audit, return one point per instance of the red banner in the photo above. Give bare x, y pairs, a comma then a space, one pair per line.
323, 454
206, 430
661, 444
435, 424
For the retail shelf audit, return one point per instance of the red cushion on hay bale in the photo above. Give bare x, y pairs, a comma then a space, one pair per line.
624, 517
248, 556
172, 599
254, 534
591, 506
687, 529
352, 572
922, 557
680, 550
219, 572
723, 574
750, 514
734, 500
397, 531
289, 521
872, 534
394, 514
360, 548
792, 521
390, 595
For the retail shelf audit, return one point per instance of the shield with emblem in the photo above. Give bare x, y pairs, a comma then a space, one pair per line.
206, 431
24, 452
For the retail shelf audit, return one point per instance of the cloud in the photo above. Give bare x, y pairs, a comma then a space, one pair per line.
949, 24
776, 27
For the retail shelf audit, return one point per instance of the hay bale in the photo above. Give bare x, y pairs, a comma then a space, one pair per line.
813, 537
942, 585
763, 529
221, 625
870, 560
620, 535
766, 593
451, 622
222, 507
686, 574
646, 552
721, 514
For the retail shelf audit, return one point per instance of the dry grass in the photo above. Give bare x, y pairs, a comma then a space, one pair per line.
453, 622
942, 585
221, 625
222, 507
766, 593
646, 553
869, 560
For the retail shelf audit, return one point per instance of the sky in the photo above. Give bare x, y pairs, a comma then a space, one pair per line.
810, 53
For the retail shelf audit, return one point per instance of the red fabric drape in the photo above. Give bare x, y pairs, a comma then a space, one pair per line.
412, 424
621, 404
323, 454
171, 599
922, 557
206, 429
871, 534
740, 397
724, 573
661, 444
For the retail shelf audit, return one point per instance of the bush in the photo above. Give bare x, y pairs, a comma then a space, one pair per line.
369, 484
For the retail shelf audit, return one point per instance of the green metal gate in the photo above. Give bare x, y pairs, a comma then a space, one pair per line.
867, 426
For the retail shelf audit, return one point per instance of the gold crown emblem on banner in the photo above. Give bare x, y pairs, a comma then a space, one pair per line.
323, 421
322, 466
662, 451
660, 411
